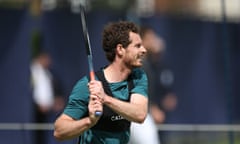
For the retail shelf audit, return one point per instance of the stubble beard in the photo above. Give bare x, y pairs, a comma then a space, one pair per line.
138, 61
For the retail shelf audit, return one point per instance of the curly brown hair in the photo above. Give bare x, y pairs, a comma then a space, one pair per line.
117, 33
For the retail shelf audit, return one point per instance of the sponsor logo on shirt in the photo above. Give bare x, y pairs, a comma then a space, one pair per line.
116, 118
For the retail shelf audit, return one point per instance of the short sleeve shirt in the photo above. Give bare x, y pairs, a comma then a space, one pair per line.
77, 106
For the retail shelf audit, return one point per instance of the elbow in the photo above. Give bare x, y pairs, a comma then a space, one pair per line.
58, 136
56, 133
141, 118
142, 115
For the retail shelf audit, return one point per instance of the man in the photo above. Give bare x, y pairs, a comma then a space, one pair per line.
161, 97
46, 89
47, 95
161, 77
123, 48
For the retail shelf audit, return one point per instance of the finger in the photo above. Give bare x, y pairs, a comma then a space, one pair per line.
93, 97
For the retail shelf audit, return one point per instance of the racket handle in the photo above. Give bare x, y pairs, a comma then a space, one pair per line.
98, 113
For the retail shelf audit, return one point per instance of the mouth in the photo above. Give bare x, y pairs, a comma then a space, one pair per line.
141, 57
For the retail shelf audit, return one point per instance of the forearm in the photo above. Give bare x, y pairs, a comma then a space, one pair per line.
132, 111
67, 128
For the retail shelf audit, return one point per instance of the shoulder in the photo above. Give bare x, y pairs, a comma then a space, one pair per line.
139, 76
83, 81
138, 73
81, 84
140, 82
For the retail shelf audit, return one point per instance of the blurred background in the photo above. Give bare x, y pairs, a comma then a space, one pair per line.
202, 40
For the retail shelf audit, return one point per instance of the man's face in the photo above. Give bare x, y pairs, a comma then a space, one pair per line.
135, 52
46, 60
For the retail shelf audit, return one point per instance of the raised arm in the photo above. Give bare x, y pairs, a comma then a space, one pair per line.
65, 127
135, 110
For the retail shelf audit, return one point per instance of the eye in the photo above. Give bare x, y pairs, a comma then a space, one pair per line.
138, 45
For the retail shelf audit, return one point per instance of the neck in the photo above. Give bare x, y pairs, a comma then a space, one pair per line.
116, 73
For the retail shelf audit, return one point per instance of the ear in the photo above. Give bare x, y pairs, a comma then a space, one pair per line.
120, 50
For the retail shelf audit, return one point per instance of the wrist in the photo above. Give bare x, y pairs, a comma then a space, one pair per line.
106, 99
103, 98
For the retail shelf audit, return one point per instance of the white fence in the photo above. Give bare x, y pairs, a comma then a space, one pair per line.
161, 127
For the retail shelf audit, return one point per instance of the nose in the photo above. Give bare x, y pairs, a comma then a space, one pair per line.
144, 49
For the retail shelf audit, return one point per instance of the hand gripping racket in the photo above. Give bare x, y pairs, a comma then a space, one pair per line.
88, 48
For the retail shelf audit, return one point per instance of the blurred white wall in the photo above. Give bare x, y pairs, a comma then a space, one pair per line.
212, 9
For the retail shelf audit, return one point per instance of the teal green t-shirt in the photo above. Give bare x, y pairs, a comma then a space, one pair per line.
77, 107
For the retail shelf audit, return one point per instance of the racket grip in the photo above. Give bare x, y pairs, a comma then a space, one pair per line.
98, 113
